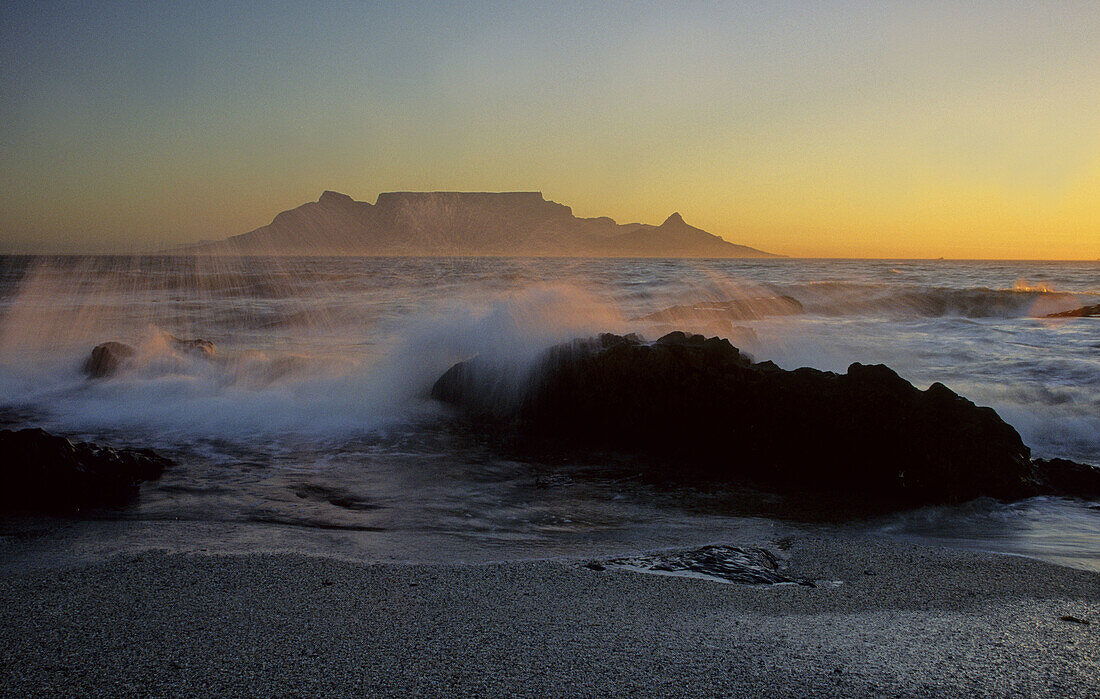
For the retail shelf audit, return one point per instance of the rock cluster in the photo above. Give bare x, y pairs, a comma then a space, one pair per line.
108, 358
698, 408
44, 472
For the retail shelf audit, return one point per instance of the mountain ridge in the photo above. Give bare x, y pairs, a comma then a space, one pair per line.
467, 223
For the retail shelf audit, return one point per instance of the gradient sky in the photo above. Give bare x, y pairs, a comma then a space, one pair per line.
960, 129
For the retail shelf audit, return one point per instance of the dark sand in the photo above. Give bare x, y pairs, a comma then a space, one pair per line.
903, 620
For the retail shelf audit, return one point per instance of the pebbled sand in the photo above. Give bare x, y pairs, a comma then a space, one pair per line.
927, 622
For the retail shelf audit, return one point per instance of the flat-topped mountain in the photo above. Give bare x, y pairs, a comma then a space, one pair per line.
467, 223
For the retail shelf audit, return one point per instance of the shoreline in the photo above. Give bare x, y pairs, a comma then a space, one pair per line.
904, 619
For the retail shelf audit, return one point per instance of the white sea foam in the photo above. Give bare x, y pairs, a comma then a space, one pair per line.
339, 346
322, 368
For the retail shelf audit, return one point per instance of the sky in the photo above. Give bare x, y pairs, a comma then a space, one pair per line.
816, 129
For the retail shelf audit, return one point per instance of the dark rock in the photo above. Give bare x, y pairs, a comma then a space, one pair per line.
40, 471
106, 359
1082, 312
698, 408
1074, 620
1064, 477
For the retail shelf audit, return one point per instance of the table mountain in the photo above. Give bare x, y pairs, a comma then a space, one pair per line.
467, 223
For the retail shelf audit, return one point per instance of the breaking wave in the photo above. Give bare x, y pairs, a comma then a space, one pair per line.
839, 298
334, 346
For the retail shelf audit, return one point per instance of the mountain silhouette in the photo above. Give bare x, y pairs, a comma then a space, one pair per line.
467, 223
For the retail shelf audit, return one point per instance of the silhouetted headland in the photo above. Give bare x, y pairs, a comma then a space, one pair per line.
467, 223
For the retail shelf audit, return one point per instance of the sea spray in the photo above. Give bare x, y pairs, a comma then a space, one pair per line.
322, 365
166, 390
336, 345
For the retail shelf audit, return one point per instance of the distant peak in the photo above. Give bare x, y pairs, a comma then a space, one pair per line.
468, 196
333, 197
522, 223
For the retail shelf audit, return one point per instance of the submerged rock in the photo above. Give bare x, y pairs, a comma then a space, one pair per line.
333, 496
1082, 312
40, 471
198, 346
698, 408
106, 359
731, 564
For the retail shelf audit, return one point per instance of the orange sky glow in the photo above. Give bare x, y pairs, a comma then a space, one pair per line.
812, 130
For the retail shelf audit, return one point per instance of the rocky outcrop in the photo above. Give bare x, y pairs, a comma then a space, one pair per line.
1082, 312
467, 223
1064, 477
698, 408
106, 359
109, 358
43, 472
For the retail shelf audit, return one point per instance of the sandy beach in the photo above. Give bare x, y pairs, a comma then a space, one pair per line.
884, 619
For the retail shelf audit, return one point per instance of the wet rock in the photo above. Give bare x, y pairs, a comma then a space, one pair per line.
333, 496
44, 472
698, 408
1065, 477
752, 566
553, 480
106, 359
1082, 312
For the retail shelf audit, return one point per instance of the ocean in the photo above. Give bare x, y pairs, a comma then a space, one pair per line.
311, 428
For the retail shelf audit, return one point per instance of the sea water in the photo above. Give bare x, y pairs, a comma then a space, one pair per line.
311, 428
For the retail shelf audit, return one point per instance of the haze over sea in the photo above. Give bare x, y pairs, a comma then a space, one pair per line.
312, 427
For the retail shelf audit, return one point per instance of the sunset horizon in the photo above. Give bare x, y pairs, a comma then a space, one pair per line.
166, 244
826, 131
